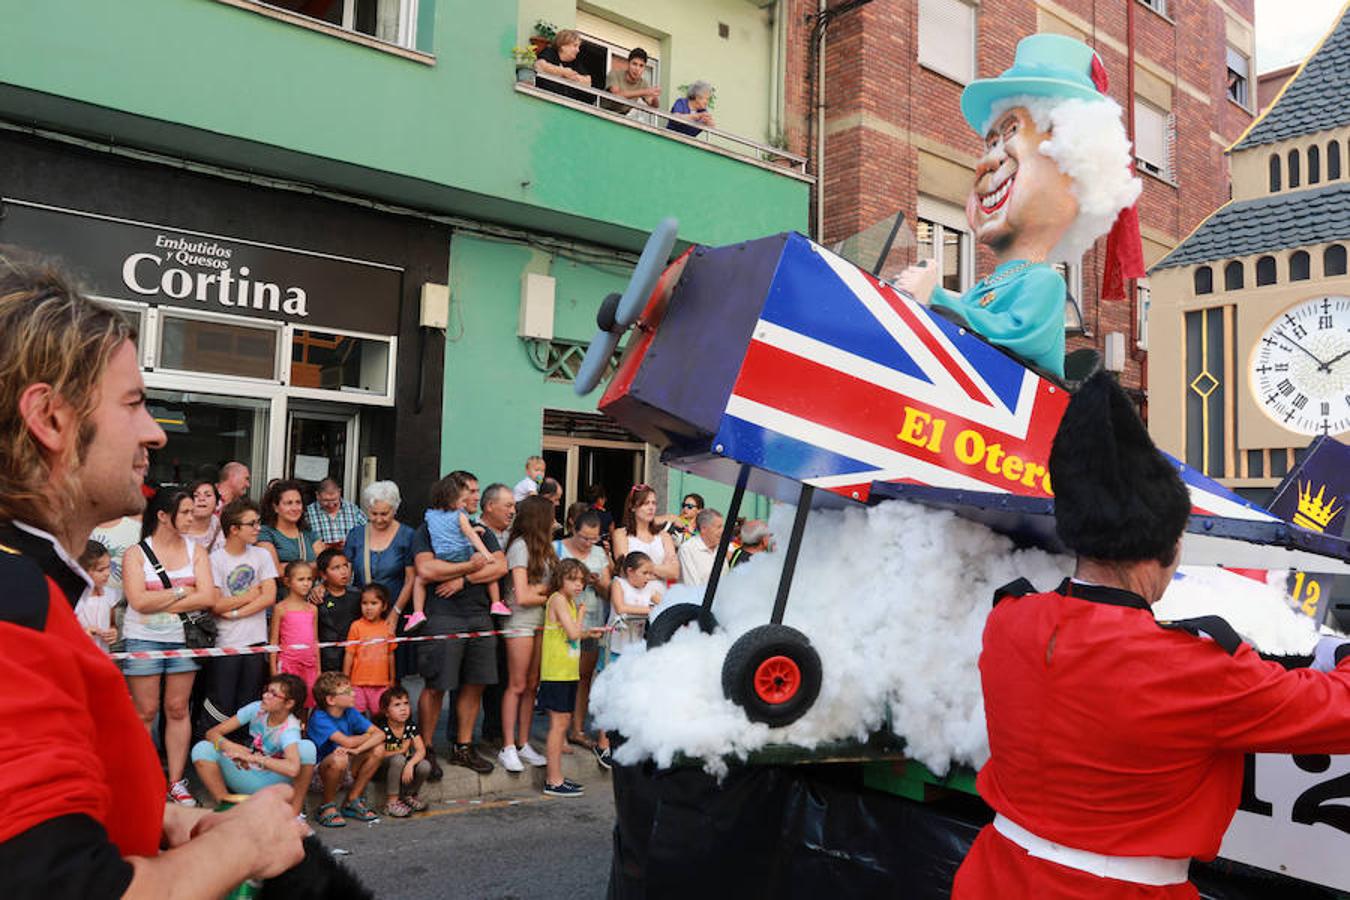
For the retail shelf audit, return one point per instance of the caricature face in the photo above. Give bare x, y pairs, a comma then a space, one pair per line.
1021, 203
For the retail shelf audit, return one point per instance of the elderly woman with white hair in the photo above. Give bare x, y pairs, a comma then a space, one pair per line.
693, 107
381, 551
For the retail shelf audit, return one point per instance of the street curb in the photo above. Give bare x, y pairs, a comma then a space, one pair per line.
460, 783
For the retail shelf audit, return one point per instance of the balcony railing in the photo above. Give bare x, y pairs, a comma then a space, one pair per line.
713, 139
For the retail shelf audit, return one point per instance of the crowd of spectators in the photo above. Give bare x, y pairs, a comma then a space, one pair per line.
566, 75
547, 603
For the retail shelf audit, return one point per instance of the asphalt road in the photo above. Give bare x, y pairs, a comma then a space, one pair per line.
516, 847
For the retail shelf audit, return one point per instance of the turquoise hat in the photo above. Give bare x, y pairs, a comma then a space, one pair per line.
1046, 65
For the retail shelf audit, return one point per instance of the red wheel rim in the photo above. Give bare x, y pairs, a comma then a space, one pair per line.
777, 679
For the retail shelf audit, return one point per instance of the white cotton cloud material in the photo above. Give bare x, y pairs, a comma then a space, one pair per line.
1261, 612
1089, 144
894, 600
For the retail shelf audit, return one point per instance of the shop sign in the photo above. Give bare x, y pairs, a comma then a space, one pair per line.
127, 260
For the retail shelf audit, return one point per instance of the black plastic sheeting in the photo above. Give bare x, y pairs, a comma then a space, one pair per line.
807, 831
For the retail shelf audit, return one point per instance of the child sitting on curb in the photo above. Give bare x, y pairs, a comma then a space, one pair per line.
344, 741
404, 752
276, 753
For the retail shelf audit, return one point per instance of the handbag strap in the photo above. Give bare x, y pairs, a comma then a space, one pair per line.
366, 555
159, 570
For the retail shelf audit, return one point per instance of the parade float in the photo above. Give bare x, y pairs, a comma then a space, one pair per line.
772, 722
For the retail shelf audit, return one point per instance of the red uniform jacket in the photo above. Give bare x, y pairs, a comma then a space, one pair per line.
1112, 734
80, 783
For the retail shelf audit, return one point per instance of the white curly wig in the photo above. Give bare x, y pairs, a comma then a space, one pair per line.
1088, 143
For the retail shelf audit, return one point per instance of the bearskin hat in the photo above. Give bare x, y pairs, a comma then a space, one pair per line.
1116, 496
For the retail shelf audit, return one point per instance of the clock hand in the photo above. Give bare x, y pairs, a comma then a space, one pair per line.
1321, 365
1331, 362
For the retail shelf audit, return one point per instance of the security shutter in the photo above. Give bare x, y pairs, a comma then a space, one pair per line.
947, 38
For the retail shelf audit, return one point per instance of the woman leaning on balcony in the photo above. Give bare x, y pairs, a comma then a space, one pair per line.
559, 60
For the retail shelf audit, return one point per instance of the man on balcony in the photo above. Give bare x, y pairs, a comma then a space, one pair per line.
631, 84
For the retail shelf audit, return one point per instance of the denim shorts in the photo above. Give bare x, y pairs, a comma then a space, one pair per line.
171, 666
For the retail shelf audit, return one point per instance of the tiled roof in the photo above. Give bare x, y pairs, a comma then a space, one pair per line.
1318, 98
1278, 222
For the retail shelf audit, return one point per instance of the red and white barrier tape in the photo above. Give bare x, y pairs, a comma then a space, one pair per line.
275, 648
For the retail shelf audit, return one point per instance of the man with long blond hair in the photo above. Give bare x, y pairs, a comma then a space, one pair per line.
86, 817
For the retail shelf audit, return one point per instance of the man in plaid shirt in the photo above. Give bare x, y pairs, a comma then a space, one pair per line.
330, 517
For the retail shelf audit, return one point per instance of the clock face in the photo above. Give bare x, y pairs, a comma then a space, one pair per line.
1300, 367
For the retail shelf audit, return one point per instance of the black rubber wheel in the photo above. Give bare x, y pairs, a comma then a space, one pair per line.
663, 627
773, 673
604, 316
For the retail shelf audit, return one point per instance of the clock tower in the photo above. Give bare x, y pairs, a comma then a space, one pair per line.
1249, 326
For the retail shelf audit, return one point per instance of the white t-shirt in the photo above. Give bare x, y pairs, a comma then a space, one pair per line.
117, 539
631, 631
97, 611
234, 575
524, 488
696, 561
161, 626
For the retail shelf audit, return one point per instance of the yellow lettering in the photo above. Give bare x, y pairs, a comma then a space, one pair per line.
1012, 468
935, 444
991, 460
1031, 473
969, 447
912, 430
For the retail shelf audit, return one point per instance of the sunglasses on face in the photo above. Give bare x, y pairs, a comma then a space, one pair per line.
688, 506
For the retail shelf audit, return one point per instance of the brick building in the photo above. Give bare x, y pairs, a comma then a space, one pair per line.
894, 137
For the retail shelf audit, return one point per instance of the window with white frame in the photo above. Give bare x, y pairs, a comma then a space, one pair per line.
941, 234
1072, 273
394, 21
1142, 298
1153, 139
1239, 77
947, 38
1158, 6
605, 46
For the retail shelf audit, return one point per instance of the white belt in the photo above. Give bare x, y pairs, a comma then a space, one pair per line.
1154, 870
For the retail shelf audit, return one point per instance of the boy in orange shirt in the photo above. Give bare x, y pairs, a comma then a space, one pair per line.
370, 666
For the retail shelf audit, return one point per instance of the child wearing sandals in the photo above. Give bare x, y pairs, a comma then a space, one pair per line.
560, 667
405, 753
345, 741
453, 539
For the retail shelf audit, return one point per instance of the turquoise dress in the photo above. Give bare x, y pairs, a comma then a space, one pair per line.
1019, 306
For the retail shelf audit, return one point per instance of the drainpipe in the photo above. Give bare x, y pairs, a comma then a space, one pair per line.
816, 122
1132, 287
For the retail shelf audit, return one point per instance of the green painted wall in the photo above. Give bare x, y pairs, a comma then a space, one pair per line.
494, 395
453, 137
686, 38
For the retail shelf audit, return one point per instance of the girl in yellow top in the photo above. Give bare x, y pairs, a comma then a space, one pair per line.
560, 667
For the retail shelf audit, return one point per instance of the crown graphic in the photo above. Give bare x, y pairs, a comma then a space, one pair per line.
1312, 512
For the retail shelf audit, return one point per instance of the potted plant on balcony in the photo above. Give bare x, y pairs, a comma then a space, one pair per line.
544, 32
524, 58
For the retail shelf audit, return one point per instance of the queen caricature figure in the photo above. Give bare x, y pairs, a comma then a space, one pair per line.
1054, 177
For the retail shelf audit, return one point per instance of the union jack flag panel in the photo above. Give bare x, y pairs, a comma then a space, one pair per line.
783, 355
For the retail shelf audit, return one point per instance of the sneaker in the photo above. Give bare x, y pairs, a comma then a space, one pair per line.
179, 793
416, 804
565, 789
602, 756
532, 756
500, 609
463, 755
571, 783
397, 809
413, 621
510, 759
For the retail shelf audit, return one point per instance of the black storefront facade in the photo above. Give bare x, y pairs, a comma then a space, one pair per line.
277, 328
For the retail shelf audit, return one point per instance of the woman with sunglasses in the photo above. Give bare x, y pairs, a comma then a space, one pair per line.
682, 527
641, 531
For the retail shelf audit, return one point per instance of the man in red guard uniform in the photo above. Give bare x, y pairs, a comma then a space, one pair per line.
1116, 742
82, 795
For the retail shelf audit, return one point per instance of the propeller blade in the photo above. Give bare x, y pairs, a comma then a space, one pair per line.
648, 270
595, 362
